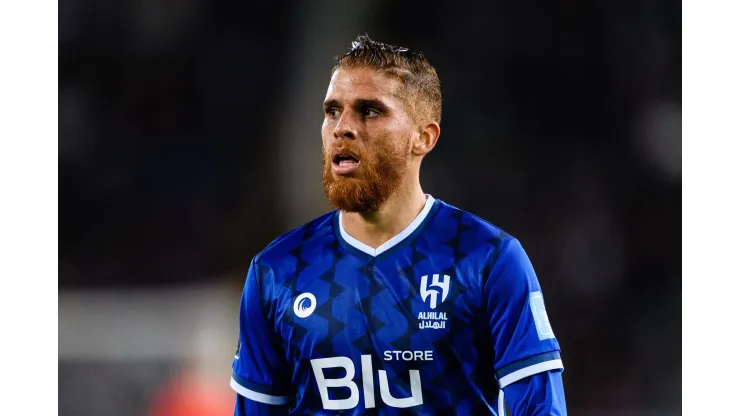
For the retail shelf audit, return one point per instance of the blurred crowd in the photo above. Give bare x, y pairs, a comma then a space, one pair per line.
561, 124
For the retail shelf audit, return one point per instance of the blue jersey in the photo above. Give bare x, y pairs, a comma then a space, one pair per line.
435, 321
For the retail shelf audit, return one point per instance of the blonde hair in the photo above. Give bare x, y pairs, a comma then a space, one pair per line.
418, 77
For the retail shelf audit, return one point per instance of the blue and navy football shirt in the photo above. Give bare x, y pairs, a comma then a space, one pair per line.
434, 321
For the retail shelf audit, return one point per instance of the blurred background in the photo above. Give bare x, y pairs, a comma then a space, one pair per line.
189, 138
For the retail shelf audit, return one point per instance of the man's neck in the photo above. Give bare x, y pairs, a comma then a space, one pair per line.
394, 216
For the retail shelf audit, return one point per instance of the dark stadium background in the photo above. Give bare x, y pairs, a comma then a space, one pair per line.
189, 137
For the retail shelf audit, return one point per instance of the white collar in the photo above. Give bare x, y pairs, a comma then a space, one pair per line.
393, 241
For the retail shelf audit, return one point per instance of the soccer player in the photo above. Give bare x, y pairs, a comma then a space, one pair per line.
395, 303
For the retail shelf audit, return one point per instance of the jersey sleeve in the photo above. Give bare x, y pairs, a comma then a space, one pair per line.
538, 395
259, 371
523, 341
247, 407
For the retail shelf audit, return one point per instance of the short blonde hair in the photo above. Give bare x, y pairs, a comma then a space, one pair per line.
420, 82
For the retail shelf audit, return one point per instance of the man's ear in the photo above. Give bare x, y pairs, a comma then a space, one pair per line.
427, 139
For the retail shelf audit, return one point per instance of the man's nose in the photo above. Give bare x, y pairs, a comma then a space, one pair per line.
345, 128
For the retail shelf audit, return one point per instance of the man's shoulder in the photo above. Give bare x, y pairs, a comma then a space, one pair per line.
472, 224
288, 245
488, 245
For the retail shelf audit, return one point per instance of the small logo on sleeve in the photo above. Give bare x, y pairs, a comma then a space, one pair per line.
537, 305
304, 305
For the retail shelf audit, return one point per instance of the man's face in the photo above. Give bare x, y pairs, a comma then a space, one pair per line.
366, 136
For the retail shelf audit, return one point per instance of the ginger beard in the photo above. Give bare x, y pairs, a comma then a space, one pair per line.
365, 191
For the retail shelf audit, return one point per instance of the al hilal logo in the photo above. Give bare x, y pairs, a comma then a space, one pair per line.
434, 320
304, 305
427, 292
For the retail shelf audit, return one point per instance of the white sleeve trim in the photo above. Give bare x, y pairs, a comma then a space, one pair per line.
256, 396
530, 371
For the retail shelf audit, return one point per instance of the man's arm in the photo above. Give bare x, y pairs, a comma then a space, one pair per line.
259, 369
527, 355
539, 395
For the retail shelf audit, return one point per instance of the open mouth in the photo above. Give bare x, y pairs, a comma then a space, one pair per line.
345, 160
344, 163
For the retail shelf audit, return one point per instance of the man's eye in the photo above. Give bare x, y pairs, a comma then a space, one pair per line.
332, 112
370, 112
